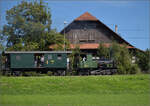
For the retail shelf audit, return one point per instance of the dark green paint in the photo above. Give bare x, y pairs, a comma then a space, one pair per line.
25, 61
54, 62
89, 63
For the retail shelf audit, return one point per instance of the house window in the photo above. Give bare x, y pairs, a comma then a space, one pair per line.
59, 56
82, 40
18, 57
49, 57
91, 41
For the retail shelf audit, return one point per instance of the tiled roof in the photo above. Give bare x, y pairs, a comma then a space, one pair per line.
86, 16
87, 46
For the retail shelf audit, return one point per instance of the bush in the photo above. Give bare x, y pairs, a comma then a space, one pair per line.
41, 75
31, 73
8, 73
134, 69
121, 69
103, 52
49, 73
143, 60
122, 58
1, 73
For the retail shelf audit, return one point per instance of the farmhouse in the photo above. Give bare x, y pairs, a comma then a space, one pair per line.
87, 32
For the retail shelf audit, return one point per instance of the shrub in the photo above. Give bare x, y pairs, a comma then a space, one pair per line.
1, 73
122, 58
134, 69
103, 52
41, 74
49, 73
8, 73
31, 73
75, 58
143, 60
120, 70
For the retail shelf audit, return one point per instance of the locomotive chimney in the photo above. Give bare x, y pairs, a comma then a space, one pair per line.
116, 28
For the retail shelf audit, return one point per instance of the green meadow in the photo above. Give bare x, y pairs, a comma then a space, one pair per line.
115, 90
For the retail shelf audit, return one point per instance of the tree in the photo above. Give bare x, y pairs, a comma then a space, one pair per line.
103, 52
143, 60
122, 58
1, 47
59, 41
1, 42
28, 27
75, 58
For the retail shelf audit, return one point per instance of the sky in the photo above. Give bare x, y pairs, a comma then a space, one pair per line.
131, 16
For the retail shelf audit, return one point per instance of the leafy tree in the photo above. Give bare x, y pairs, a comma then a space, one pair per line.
143, 60
28, 27
75, 58
1, 42
122, 58
1, 47
103, 52
59, 41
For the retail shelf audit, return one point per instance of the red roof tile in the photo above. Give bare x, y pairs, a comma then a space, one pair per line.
87, 46
86, 16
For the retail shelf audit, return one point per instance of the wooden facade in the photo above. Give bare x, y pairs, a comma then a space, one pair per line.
88, 29
87, 32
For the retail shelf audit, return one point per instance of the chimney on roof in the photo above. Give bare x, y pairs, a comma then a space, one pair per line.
116, 28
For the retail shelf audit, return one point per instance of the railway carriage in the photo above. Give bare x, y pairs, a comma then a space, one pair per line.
20, 61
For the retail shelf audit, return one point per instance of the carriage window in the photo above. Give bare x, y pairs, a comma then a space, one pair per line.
49, 57
59, 57
18, 58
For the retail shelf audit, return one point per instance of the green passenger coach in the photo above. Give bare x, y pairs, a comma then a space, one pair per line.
41, 61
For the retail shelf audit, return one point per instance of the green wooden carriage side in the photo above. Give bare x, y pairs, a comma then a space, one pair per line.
22, 60
55, 60
26, 59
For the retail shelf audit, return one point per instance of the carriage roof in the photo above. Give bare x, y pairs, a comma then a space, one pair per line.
38, 52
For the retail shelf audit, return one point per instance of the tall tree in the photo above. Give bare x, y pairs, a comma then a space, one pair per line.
143, 60
1, 41
103, 52
123, 60
58, 41
28, 26
75, 58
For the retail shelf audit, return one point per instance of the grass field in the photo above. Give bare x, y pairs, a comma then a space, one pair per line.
117, 90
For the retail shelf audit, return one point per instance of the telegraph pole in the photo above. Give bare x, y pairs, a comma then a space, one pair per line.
64, 35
